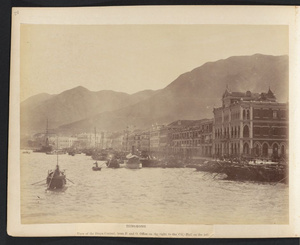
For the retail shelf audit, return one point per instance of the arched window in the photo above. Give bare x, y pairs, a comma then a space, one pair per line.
244, 114
246, 132
265, 149
282, 150
248, 114
257, 150
275, 150
246, 148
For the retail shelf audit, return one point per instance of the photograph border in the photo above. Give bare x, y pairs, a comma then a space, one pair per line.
186, 15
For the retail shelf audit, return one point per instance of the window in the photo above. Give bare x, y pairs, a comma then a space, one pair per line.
275, 150
282, 150
275, 114
256, 131
246, 132
246, 148
265, 150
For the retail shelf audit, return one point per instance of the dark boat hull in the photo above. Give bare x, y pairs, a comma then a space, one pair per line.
256, 173
150, 163
133, 163
57, 182
113, 163
96, 168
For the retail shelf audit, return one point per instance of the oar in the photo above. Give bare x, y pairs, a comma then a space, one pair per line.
70, 181
38, 182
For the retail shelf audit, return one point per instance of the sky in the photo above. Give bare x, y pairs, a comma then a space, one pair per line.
131, 58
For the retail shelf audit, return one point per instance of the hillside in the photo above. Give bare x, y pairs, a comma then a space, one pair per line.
194, 94
71, 106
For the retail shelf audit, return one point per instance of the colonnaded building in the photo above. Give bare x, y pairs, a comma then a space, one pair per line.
250, 124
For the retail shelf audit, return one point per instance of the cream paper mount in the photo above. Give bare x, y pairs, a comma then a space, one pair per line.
72, 53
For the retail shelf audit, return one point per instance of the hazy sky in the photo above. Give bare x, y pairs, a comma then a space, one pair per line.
131, 58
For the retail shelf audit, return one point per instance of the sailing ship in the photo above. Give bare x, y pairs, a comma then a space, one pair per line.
46, 147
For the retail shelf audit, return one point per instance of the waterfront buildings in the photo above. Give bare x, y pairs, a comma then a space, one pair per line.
191, 138
157, 138
246, 124
145, 141
250, 124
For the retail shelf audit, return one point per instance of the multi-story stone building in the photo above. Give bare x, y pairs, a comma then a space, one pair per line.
191, 138
155, 138
145, 141
250, 124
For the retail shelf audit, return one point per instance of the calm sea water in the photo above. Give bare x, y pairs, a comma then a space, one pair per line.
148, 195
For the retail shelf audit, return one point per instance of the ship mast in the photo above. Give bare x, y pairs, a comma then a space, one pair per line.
95, 137
46, 136
56, 151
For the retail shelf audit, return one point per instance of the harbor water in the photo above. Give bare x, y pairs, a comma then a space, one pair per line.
147, 195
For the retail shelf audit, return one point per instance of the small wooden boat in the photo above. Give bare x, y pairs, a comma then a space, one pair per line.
56, 179
96, 167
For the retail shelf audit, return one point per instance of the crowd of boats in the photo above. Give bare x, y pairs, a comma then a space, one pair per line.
238, 169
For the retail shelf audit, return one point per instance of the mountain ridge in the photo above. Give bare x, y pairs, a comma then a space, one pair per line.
192, 95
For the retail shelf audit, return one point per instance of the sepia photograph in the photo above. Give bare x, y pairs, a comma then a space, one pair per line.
140, 124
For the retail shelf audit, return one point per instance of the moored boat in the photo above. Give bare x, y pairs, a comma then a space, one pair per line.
132, 162
257, 172
113, 163
56, 152
44, 149
211, 166
149, 162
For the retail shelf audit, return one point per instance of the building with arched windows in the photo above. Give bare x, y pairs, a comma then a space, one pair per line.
250, 124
